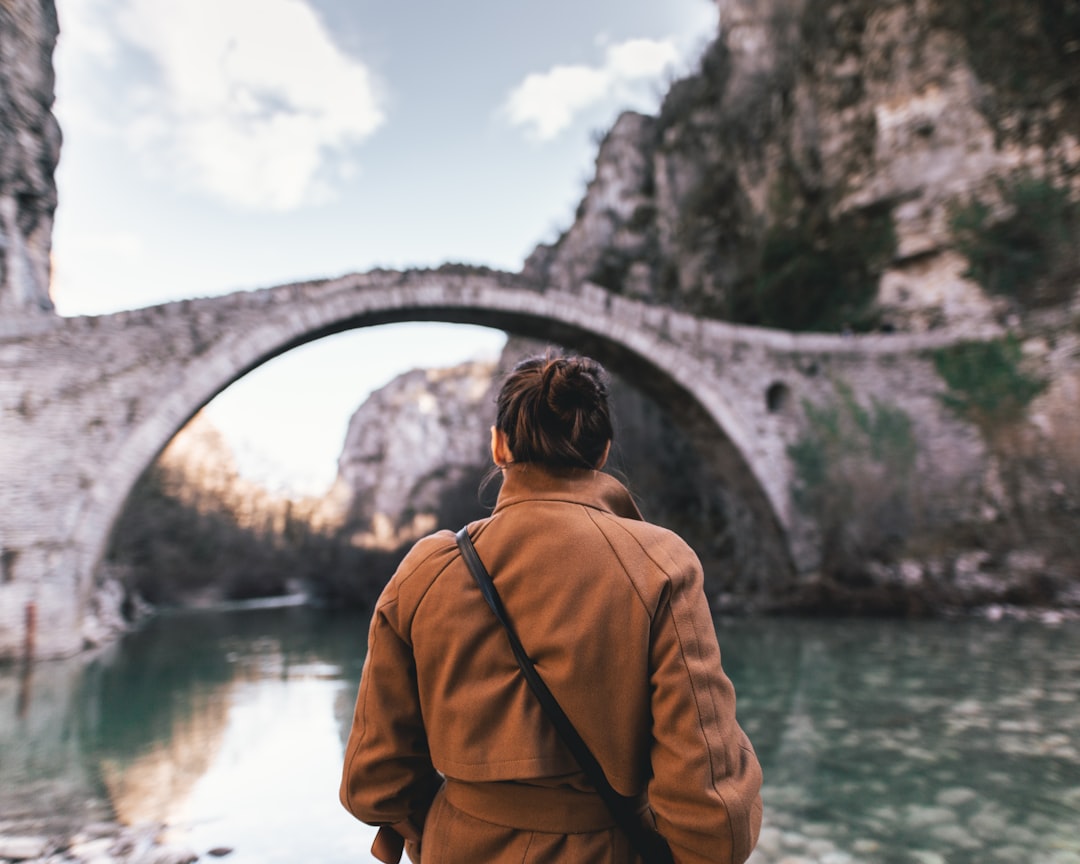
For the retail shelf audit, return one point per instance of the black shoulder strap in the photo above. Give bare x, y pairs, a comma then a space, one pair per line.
648, 844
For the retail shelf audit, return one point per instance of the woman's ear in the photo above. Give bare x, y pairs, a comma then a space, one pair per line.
500, 449
603, 459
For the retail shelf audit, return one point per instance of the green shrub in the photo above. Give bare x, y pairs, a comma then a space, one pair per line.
986, 382
1024, 51
610, 270
821, 274
1026, 254
853, 469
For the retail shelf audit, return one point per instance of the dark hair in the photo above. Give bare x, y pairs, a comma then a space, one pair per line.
554, 411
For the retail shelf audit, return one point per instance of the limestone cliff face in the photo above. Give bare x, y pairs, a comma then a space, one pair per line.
820, 155
908, 165
414, 449
29, 151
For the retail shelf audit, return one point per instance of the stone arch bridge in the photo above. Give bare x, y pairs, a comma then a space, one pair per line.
87, 403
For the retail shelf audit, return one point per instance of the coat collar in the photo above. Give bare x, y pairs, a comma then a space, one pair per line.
528, 481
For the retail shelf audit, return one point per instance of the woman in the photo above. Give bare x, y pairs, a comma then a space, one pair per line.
450, 750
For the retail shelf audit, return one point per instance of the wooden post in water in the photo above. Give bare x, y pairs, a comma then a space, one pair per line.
30, 631
29, 637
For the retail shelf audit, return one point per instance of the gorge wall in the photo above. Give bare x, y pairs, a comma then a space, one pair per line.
29, 152
816, 172
414, 455
196, 531
908, 165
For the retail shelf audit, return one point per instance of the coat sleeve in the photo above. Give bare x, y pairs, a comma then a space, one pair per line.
388, 779
706, 784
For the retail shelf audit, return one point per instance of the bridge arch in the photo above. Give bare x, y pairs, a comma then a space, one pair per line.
244, 331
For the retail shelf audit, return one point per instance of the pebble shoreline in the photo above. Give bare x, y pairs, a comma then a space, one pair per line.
97, 843
784, 839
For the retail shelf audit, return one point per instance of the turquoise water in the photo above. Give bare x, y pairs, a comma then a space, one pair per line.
882, 741
922, 742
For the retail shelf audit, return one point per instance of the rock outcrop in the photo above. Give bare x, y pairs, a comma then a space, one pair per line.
29, 151
816, 172
417, 451
853, 165
415, 454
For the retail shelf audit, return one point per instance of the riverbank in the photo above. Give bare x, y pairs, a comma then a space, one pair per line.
96, 843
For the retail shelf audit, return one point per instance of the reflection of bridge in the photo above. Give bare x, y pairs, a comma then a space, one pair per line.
88, 403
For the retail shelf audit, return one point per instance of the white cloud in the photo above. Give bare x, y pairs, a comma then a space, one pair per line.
249, 101
87, 255
547, 103
639, 59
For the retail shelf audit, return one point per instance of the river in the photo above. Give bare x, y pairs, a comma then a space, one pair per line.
882, 741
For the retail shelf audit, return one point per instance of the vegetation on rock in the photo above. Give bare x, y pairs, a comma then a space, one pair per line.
1026, 253
820, 274
986, 381
855, 474
1025, 49
174, 550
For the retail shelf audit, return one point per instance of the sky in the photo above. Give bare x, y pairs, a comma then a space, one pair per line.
220, 145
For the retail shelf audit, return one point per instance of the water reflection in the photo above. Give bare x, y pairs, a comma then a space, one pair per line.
230, 729
44, 780
882, 741
277, 730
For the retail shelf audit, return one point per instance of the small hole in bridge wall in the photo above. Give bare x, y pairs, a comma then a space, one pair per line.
7, 565
778, 397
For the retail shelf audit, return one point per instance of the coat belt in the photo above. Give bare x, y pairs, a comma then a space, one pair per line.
554, 810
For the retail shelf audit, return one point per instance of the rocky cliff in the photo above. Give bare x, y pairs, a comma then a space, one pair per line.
415, 454
29, 151
848, 164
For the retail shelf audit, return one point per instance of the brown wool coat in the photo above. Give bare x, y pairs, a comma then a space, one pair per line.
612, 611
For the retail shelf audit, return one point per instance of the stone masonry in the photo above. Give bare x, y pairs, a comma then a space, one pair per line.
87, 403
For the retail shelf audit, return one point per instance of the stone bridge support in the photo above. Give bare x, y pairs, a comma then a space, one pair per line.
88, 403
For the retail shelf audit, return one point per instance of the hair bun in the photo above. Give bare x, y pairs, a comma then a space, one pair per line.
554, 410
573, 383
